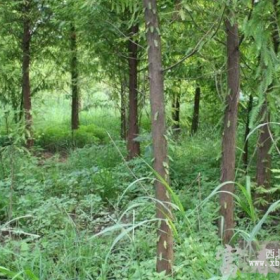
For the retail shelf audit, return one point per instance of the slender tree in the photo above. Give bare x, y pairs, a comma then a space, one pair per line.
165, 239
26, 89
264, 141
74, 79
195, 119
176, 112
133, 146
264, 145
123, 111
247, 131
229, 134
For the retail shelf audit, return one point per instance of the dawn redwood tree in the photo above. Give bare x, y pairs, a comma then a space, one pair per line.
123, 110
264, 145
247, 131
26, 89
195, 119
25, 24
133, 146
264, 141
229, 133
74, 79
156, 79
176, 112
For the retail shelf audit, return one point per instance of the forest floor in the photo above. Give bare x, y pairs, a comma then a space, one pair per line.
77, 210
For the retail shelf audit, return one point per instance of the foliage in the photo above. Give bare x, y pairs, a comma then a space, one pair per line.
73, 207
60, 138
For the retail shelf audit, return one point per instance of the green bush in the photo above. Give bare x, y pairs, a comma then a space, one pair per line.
97, 132
62, 138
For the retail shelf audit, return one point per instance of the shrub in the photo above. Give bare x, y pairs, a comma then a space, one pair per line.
61, 138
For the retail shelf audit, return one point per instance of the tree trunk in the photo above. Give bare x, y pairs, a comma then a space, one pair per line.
75, 122
264, 145
176, 112
247, 131
195, 120
123, 113
133, 146
229, 134
264, 141
26, 90
165, 238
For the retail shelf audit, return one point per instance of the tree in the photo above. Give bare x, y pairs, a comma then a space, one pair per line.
247, 131
264, 145
133, 146
74, 79
264, 140
176, 112
229, 134
123, 110
24, 25
195, 119
26, 90
156, 80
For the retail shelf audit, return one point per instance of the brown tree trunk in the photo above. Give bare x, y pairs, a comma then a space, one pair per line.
165, 238
264, 145
229, 134
75, 122
247, 131
195, 120
176, 112
133, 146
265, 142
26, 90
123, 113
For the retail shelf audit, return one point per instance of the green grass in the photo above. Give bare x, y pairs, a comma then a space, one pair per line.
63, 202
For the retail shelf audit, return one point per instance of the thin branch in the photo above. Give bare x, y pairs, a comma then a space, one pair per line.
272, 139
127, 37
199, 44
202, 30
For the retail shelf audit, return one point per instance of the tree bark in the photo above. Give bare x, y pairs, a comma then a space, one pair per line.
75, 121
247, 131
195, 120
165, 238
176, 112
26, 89
133, 146
229, 134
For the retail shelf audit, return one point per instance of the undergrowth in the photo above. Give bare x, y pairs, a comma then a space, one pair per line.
53, 228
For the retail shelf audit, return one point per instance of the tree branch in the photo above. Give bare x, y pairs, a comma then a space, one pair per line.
199, 44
